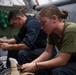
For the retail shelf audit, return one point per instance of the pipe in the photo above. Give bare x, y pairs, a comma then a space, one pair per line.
57, 3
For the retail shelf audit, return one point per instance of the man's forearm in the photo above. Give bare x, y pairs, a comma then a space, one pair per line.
17, 47
10, 41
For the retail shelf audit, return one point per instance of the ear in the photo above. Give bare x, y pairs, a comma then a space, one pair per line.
18, 17
54, 17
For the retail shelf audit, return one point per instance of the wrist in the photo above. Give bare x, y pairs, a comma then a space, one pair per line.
36, 66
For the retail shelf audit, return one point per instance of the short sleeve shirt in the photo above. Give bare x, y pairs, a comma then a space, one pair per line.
68, 41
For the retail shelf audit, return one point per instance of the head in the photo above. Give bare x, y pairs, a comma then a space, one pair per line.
16, 18
50, 16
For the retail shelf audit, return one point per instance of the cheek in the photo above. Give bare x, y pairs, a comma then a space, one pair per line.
48, 28
17, 24
20, 23
44, 26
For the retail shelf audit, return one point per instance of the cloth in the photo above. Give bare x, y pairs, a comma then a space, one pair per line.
68, 41
69, 69
32, 35
64, 44
26, 56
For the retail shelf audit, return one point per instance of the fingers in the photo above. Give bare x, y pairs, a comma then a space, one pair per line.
4, 46
23, 66
0, 45
1, 40
28, 67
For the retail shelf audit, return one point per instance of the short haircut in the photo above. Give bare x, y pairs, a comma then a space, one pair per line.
13, 14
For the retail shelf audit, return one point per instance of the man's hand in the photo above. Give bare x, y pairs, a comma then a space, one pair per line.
1, 41
5, 46
29, 67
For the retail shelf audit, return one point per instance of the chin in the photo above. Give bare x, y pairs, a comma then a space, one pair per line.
17, 26
49, 33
